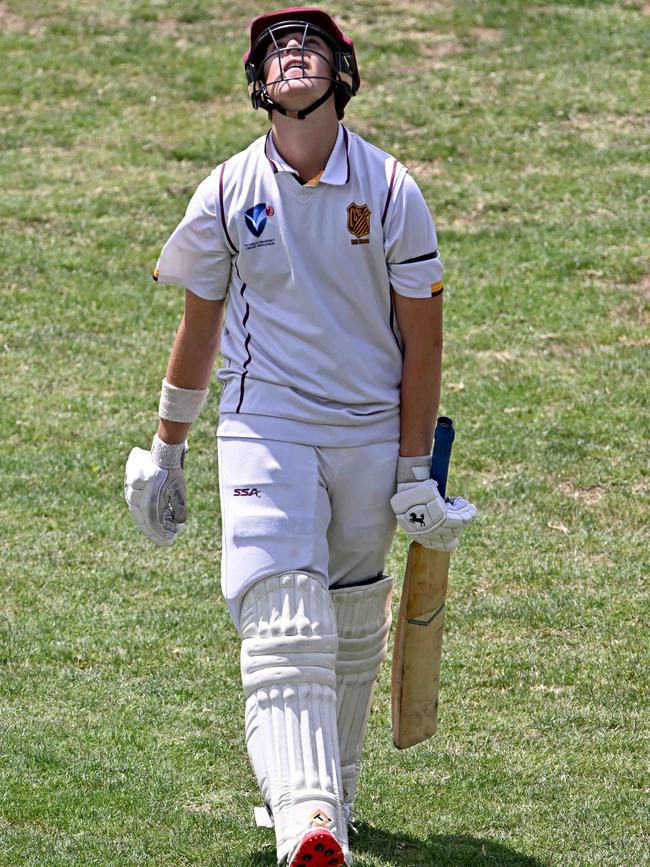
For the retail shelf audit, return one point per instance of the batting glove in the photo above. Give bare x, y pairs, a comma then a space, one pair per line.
154, 488
422, 513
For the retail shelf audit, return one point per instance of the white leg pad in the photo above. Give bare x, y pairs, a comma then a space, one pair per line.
363, 616
288, 660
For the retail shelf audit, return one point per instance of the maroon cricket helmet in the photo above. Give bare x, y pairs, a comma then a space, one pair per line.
311, 20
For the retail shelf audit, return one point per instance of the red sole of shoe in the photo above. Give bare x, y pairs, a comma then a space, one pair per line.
318, 849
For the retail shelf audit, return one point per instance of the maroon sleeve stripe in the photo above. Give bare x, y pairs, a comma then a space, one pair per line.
424, 258
392, 319
390, 192
223, 213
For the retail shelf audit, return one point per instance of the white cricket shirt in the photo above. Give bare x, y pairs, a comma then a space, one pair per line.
311, 345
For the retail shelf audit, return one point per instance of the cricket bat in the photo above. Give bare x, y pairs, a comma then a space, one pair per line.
418, 638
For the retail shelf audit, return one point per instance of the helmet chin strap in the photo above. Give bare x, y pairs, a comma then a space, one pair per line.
303, 112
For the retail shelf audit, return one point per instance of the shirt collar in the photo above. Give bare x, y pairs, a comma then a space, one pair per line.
337, 170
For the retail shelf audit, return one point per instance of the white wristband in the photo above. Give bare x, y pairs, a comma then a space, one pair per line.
180, 404
168, 456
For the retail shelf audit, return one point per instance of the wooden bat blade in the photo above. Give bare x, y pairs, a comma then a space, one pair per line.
418, 646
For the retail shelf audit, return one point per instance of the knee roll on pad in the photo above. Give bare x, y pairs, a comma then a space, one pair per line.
288, 629
288, 658
363, 617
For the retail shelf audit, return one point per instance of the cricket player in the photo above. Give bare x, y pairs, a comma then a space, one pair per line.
313, 258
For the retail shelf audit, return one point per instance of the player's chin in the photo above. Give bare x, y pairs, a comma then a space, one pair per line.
295, 98
291, 87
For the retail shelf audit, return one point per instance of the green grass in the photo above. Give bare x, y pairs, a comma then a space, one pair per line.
121, 735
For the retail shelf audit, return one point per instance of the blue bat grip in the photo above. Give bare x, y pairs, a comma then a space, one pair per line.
443, 439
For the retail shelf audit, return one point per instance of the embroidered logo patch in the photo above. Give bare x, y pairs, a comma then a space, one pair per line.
256, 217
359, 223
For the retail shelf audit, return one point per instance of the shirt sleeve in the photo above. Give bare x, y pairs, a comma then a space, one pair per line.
197, 255
414, 265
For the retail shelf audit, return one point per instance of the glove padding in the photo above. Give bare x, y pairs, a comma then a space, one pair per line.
156, 497
428, 519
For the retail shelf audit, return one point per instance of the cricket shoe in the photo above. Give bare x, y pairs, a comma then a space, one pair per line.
318, 848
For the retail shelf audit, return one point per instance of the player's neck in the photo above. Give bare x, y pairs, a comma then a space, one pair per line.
307, 144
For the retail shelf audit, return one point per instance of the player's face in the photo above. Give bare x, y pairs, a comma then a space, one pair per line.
295, 77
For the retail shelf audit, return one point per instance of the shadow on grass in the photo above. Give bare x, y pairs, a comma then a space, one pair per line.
444, 850
448, 850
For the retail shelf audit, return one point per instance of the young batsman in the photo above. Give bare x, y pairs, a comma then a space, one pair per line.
325, 252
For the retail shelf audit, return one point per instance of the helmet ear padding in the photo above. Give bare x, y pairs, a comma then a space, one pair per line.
255, 84
345, 66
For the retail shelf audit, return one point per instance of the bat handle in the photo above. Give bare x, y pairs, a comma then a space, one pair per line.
443, 439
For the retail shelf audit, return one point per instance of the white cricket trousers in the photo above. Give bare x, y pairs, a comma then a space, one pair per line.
287, 507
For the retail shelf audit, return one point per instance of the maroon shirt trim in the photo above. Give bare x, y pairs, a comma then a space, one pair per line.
223, 213
248, 352
273, 165
390, 192
347, 152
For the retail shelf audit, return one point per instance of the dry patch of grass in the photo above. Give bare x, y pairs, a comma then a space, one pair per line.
408, 11
590, 495
634, 309
502, 356
437, 49
487, 35
12, 22
555, 690
600, 129
427, 171
619, 122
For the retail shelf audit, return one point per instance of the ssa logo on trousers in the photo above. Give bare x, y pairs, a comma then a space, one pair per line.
247, 492
256, 217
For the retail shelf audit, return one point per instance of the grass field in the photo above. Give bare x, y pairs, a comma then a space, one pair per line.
121, 736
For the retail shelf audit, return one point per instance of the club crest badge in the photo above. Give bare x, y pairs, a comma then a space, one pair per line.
256, 218
359, 223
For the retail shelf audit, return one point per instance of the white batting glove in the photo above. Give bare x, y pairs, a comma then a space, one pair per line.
422, 513
154, 488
